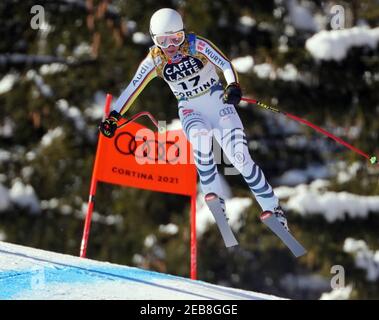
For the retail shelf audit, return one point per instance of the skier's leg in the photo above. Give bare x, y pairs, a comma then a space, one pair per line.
232, 139
199, 132
234, 145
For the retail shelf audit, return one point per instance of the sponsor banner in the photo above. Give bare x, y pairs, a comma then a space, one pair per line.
140, 158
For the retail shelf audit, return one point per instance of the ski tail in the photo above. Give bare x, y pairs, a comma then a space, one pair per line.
214, 204
269, 219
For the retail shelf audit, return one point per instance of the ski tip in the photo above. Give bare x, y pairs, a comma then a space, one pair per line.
210, 196
265, 215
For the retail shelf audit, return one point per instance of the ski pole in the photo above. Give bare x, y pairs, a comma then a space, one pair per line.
138, 115
373, 159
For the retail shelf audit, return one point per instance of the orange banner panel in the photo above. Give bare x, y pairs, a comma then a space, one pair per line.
140, 158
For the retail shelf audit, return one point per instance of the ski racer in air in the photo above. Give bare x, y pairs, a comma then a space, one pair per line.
189, 64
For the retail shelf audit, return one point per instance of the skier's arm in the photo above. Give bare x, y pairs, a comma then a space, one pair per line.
145, 73
219, 59
233, 91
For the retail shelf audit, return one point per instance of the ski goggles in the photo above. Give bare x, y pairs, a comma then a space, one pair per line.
175, 39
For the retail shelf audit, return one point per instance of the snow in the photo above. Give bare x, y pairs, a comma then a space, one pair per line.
352, 246
267, 71
98, 218
24, 196
150, 241
72, 113
138, 259
50, 204
298, 176
264, 71
288, 73
112, 220
5, 200
313, 199
131, 26
82, 49
334, 44
169, 228
51, 135
289, 30
247, 21
365, 258
243, 64
284, 192
338, 294
6, 129
301, 16
44, 89
96, 110
52, 68
235, 207
27, 172
334, 205
175, 124
33, 274
3, 236
21, 59
4, 155
283, 44
347, 173
141, 38
31, 155
7, 82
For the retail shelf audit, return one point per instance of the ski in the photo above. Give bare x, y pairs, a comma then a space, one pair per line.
214, 205
269, 219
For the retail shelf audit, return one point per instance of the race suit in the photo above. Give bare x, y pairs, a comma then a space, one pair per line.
192, 77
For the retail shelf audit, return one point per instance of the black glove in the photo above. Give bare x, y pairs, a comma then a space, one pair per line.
232, 94
109, 125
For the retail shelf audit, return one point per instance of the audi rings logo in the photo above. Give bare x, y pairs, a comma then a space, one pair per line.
147, 149
226, 111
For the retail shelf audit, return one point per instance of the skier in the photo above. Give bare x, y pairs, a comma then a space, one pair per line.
188, 62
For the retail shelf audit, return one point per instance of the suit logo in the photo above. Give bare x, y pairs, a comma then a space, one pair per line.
226, 111
186, 67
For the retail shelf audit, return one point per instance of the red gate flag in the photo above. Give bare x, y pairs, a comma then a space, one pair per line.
140, 158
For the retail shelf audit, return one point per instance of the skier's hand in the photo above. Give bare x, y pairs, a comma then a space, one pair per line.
109, 126
232, 94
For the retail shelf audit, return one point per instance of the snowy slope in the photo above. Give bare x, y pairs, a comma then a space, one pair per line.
27, 273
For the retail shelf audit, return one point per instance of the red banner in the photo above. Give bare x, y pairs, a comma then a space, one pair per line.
140, 158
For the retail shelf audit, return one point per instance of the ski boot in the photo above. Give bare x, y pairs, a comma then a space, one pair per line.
280, 215
222, 202
276, 221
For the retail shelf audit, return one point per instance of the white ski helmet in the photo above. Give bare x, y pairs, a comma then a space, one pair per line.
164, 22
